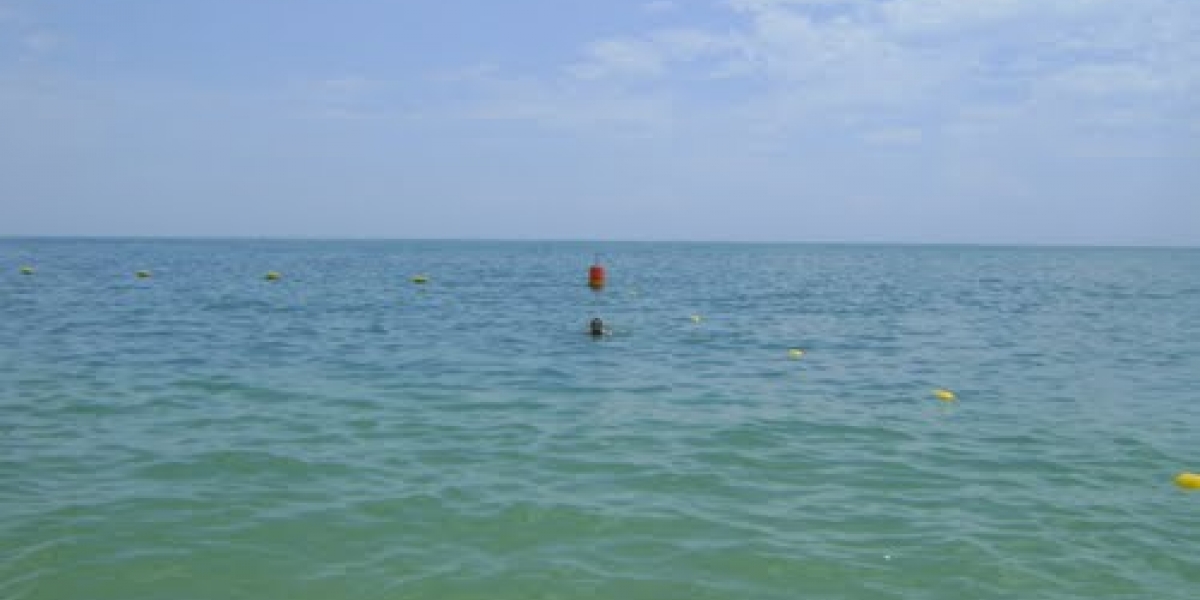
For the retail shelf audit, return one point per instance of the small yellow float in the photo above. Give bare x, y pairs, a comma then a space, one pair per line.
1188, 481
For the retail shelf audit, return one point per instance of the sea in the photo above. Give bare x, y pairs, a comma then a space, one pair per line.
762, 422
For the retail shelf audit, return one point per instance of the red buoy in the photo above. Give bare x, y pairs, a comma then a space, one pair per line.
596, 277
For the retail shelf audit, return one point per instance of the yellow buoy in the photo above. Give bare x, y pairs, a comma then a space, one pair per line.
142, 274
795, 353
420, 279
1188, 481
27, 270
273, 276
944, 395
696, 318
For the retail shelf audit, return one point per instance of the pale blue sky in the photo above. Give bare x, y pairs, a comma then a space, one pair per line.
1043, 121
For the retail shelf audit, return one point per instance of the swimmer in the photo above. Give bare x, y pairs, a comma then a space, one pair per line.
596, 328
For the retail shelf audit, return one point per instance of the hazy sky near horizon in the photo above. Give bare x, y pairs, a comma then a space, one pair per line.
1024, 121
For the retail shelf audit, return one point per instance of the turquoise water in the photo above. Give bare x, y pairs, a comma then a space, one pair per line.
343, 433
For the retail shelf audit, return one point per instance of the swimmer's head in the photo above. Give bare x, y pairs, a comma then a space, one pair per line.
597, 326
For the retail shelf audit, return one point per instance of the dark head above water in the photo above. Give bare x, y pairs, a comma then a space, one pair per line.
597, 326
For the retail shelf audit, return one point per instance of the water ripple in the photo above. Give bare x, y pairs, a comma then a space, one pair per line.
346, 434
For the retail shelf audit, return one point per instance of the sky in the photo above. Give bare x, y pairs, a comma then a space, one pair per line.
940, 121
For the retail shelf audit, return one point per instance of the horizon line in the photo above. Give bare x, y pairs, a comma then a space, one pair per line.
336, 238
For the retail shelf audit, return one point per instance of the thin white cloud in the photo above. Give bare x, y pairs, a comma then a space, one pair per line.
619, 58
796, 102
884, 72
654, 55
911, 16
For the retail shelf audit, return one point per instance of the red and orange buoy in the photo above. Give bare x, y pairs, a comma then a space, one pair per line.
596, 275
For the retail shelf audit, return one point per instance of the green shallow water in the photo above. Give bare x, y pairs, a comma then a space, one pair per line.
343, 433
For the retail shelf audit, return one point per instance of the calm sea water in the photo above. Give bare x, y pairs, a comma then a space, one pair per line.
344, 433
